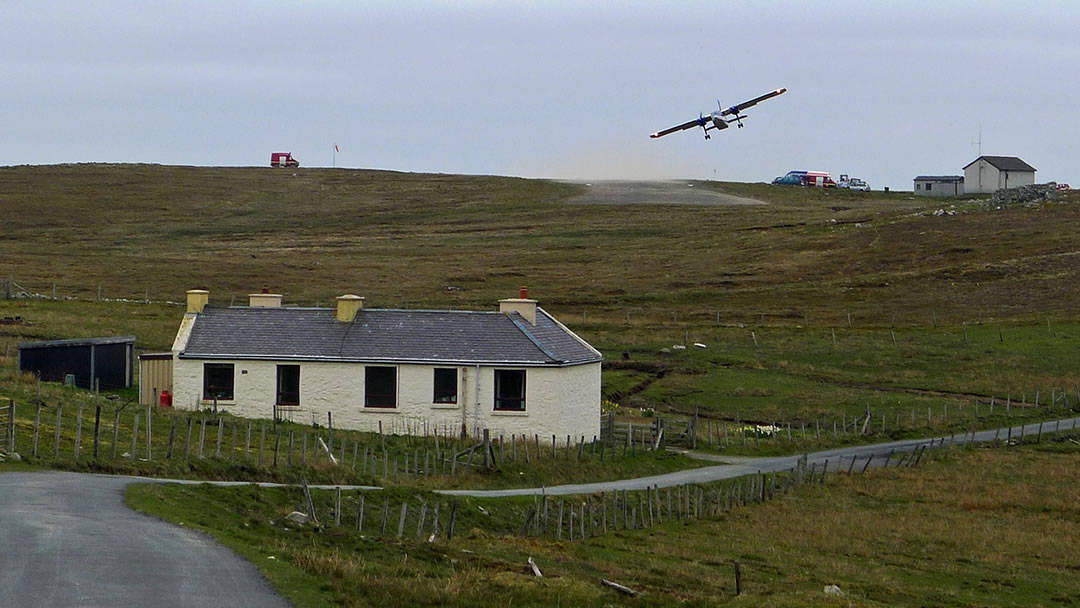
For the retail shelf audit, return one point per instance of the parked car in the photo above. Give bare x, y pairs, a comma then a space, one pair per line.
791, 178
853, 183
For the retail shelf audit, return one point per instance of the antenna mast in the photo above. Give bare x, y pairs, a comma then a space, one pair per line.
979, 141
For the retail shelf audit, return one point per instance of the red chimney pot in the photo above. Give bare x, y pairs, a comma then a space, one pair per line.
523, 293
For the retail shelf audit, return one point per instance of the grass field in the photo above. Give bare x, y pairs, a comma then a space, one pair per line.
983, 527
813, 307
403, 239
820, 303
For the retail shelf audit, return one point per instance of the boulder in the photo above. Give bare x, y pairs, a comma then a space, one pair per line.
297, 517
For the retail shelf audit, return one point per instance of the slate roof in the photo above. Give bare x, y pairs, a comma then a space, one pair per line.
78, 342
385, 335
940, 178
1004, 163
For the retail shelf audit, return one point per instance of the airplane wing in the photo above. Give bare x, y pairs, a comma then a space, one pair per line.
753, 102
697, 122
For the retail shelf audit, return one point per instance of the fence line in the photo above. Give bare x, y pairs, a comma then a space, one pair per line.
586, 516
133, 436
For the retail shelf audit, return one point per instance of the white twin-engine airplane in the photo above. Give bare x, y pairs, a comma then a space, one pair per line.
719, 119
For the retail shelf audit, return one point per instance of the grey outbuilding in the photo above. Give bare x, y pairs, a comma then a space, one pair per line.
939, 185
84, 362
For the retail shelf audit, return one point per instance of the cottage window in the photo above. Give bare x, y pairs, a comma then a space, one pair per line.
380, 386
510, 390
218, 381
446, 389
288, 385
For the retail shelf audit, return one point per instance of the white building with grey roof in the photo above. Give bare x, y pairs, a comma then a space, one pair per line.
517, 370
993, 173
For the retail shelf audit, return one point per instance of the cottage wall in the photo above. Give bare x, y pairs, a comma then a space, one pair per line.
559, 400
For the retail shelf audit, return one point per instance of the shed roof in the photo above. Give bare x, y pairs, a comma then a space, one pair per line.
388, 335
1004, 163
78, 342
940, 178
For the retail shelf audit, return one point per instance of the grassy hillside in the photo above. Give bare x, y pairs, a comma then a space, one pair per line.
403, 239
819, 302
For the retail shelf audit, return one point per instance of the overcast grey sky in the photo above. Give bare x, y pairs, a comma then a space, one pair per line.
882, 90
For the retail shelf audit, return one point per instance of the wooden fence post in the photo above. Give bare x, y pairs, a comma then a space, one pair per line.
37, 423
187, 438
360, 514
450, 525
56, 438
11, 424
134, 437
97, 429
78, 432
337, 501
220, 433
149, 411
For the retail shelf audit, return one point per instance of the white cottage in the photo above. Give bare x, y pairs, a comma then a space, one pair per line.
517, 370
992, 173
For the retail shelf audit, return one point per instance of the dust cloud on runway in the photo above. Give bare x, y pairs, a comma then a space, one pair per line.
670, 192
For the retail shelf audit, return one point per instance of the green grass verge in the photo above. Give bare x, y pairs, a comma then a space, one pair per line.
982, 527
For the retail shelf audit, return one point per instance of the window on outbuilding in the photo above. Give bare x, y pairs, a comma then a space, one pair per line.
446, 388
510, 390
218, 381
288, 385
380, 386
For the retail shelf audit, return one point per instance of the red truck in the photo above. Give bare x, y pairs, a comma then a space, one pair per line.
283, 159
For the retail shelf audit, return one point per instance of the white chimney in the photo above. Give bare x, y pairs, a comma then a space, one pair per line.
264, 299
521, 305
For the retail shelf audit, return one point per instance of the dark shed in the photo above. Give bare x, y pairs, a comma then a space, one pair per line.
110, 360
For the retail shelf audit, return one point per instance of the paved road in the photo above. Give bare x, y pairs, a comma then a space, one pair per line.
67, 539
673, 192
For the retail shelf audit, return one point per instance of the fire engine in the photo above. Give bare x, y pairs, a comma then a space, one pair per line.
283, 159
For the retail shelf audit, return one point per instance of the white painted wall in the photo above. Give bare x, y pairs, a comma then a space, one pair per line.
980, 177
558, 400
992, 179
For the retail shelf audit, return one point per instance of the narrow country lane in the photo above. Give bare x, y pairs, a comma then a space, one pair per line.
68, 540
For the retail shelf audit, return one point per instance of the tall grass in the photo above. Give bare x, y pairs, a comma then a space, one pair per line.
981, 527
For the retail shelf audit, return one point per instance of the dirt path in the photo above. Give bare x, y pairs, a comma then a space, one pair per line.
672, 192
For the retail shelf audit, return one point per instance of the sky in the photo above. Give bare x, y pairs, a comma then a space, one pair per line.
880, 90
